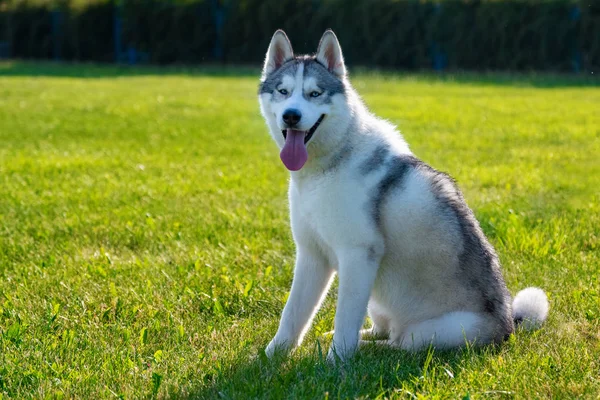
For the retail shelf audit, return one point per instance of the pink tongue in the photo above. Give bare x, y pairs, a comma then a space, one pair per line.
294, 154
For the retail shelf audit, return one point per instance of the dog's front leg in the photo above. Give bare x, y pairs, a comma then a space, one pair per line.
312, 277
357, 272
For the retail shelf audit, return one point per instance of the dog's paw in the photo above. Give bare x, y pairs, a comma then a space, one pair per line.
337, 357
276, 347
271, 348
331, 357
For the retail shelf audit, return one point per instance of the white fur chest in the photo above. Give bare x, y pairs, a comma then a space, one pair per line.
332, 212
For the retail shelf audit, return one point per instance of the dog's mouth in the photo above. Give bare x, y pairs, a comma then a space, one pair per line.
307, 134
294, 154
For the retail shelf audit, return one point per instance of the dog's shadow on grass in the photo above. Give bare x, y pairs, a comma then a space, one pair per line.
375, 370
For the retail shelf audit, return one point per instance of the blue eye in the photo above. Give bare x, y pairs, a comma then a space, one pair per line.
283, 92
314, 93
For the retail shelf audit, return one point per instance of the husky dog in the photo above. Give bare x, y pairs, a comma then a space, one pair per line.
398, 233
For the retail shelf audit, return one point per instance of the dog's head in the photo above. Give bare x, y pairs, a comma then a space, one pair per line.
302, 97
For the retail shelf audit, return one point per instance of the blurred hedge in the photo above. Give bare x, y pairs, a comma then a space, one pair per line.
456, 34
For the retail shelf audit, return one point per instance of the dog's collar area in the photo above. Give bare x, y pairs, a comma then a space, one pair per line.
309, 133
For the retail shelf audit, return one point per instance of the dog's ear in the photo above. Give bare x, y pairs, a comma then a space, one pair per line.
329, 53
280, 51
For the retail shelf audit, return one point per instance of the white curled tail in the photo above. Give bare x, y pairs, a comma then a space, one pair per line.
530, 308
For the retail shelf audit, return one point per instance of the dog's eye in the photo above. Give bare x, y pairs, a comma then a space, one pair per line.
314, 93
283, 92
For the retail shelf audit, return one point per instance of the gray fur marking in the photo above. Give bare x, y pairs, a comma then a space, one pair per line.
478, 261
328, 82
331, 84
375, 161
274, 79
372, 253
338, 158
397, 169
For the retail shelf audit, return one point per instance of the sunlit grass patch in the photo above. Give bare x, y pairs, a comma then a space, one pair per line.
145, 246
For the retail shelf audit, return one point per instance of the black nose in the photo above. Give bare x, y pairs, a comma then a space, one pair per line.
291, 116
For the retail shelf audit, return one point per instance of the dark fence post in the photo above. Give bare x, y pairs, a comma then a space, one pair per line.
438, 57
4, 49
6, 42
576, 58
219, 16
117, 28
57, 18
132, 55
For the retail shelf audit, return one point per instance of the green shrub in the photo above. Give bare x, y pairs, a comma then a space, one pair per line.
558, 35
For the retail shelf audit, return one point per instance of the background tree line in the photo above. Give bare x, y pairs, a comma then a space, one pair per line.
558, 35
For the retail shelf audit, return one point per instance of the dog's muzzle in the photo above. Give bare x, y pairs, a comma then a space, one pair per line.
309, 133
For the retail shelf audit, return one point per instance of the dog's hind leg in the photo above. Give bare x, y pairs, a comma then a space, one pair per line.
380, 328
453, 329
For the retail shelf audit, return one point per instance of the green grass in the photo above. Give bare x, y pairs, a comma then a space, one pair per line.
145, 246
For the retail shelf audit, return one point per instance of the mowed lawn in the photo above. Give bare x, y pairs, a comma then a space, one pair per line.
145, 247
